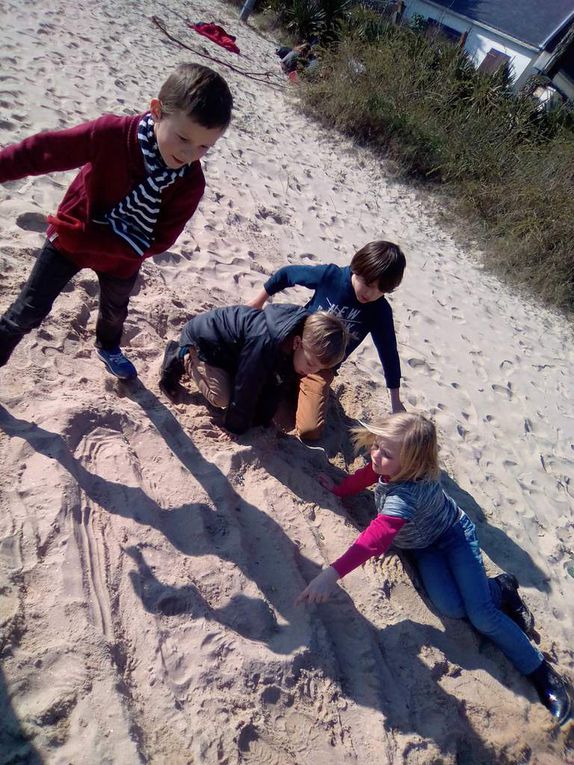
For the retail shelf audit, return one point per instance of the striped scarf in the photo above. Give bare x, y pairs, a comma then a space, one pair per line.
135, 217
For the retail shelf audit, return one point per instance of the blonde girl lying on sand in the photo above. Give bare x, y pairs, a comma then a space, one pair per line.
415, 514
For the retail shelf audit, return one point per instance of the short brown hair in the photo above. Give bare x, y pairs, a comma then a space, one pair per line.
381, 263
418, 455
326, 337
200, 93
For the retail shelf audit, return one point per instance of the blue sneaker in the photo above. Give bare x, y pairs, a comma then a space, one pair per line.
117, 364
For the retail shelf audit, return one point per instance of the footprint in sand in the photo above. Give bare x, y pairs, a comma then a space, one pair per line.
503, 390
276, 216
32, 221
415, 363
462, 432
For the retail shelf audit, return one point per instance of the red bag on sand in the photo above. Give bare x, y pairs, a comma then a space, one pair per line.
217, 35
293, 76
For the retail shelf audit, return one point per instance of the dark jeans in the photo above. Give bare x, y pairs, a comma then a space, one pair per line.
51, 272
453, 575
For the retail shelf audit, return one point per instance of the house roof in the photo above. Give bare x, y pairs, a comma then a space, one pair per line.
535, 22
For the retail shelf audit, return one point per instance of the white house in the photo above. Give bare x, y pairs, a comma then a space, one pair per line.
533, 36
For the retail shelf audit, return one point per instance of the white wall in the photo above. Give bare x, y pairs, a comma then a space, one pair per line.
479, 40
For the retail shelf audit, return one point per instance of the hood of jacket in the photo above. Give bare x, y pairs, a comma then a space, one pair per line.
283, 319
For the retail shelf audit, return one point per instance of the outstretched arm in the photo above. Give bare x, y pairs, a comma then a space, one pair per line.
288, 276
375, 540
352, 484
384, 338
320, 588
48, 152
260, 300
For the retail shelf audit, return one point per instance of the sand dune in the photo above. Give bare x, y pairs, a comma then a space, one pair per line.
148, 568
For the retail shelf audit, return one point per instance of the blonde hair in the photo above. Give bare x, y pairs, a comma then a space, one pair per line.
418, 454
325, 336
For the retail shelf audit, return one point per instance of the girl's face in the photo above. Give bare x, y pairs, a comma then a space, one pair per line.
385, 456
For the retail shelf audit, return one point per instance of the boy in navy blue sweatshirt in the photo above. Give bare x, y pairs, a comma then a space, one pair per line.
356, 294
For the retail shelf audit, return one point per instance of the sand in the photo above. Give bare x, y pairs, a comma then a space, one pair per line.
148, 567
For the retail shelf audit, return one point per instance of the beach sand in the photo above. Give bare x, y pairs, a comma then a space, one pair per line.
148, 567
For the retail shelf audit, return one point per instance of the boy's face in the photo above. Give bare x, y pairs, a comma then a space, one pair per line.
180, 139
304, 363
365, 293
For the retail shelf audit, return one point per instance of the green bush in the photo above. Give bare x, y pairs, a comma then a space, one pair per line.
420, 101
423, 103
307, 19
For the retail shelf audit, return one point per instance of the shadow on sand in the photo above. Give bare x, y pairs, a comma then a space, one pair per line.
15, 748
351, 651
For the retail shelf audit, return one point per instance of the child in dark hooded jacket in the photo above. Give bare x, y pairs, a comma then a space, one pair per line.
241, 358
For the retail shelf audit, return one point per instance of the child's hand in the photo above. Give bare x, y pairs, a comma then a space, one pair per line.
225, 436
320, 588
326, 482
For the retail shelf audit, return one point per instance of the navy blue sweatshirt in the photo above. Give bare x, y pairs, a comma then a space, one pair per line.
334, 293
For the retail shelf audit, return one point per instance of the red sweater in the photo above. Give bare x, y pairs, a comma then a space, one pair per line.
111, 161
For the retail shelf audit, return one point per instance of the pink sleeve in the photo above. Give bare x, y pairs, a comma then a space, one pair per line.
375, 540
357, 481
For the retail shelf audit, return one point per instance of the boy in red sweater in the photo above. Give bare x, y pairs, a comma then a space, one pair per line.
140, 182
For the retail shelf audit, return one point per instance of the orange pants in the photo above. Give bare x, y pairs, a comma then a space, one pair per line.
312, 404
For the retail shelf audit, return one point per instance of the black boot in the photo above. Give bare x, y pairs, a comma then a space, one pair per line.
513, 606
552, 691
172, 369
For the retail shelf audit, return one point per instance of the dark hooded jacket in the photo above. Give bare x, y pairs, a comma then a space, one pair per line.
246, 342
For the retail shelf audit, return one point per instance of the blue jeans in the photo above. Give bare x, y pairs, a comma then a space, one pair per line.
453, 575
51, 272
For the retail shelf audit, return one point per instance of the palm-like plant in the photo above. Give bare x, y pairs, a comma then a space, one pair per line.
305, 18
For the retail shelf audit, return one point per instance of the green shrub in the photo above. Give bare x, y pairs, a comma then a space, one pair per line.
423, 103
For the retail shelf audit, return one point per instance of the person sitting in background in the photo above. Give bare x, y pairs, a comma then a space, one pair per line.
296, 59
